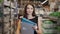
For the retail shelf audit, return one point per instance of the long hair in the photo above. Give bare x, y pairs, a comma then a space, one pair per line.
25, 12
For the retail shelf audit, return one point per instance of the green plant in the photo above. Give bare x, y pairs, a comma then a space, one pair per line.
1, 1
55, 14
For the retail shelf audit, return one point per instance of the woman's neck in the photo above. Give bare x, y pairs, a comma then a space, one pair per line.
30, 17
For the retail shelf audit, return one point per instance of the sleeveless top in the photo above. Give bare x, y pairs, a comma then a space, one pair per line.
35, 20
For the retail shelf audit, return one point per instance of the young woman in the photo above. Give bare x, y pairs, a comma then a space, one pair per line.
29, 13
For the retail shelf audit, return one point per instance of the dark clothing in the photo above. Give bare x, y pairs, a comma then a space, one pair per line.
36, 21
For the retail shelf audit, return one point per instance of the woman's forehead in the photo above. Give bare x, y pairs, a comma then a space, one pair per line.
30, 6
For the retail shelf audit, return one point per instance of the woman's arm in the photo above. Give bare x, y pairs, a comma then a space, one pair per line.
39, 25
18, 27
39, 30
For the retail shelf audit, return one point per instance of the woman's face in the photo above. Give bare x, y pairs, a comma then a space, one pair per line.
30, 9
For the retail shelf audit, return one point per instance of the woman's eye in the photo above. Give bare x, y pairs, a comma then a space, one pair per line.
31, 8
27, 8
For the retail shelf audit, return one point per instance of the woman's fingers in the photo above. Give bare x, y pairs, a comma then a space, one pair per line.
35, 27
21, 16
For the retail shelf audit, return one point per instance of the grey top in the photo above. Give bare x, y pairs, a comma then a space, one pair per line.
26, 28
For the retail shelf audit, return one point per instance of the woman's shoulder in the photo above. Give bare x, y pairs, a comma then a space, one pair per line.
36, 16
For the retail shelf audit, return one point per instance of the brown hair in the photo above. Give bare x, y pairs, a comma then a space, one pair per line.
25, 12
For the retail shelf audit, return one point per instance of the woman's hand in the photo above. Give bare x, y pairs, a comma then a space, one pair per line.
37, 30
21, 16
35, 27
